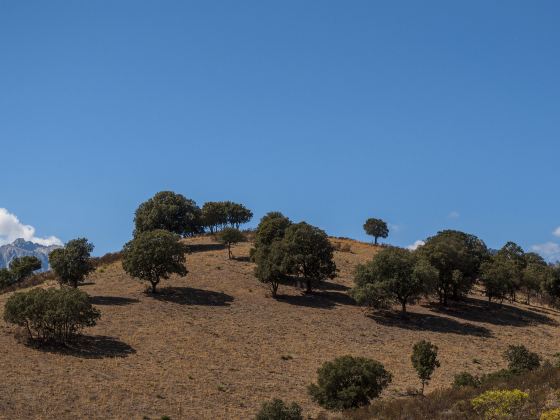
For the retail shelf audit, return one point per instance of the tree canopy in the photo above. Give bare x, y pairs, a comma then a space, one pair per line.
377, 228
23, 267
168, 211
154, 255
73, 262
308, 253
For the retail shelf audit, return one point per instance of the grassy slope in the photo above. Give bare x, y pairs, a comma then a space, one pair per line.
210, 345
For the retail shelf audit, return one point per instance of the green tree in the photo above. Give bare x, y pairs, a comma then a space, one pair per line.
457, 257
551, 285
213, 215
51, 314
154, 255
496, 276
6, 278
168, 211
349, 382
230, 236
272, 226
279, 410
390, 276
376, 228
516, 256
424, 359
269, 260
309, 254
237, 214
534, 275
72, 263
23, 267
520, 359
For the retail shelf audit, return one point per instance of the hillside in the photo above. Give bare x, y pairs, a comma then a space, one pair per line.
212, 345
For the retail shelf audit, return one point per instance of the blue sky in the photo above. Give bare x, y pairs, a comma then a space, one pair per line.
430, 115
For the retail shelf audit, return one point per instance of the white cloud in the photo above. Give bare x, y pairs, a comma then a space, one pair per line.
11, 229
454, 215
549, 250
415, 245
557, 232
395, 228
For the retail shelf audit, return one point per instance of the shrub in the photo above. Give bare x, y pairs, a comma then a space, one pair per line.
278, 410
551, 414
466, 379
349, 382
424, 359
520, 359
499, 404
51, 314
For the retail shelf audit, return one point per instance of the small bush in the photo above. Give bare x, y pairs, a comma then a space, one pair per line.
51, 315
278, 410
466, 379
349, 382
521, 360
499, 404
551, 414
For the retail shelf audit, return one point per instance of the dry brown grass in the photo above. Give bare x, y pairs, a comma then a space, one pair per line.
211, 345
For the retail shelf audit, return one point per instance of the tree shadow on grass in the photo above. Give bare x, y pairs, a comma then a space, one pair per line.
89, 347
112, 300
192, 296
205, 247
428, 322
321, 300
492, 313
329, 285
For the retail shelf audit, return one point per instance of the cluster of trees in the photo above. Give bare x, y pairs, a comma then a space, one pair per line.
175, 213
448, 265
19, 269
287, 251
510, 270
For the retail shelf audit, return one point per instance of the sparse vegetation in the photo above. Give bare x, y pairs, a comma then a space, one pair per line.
279, 410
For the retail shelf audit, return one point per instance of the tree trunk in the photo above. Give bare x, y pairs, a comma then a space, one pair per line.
375, 240
154, 284
308, 283
403, 305
229, 251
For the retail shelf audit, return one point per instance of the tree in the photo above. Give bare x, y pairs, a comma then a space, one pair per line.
534, 275
349, 382
520, 359
237, 214
230, 236
457, 256
424, 359
23, 267
309, 254
213, 215
269, 268
279, 410
73, 262
154, 255
496, 276
272, 226
6, 277
168, 211
551, 285
516, 256
390, 276
51, 314
376, 228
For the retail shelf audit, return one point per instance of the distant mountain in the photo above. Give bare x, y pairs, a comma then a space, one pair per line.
22, 248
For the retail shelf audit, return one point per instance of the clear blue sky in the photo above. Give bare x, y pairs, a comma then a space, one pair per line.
428, 114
